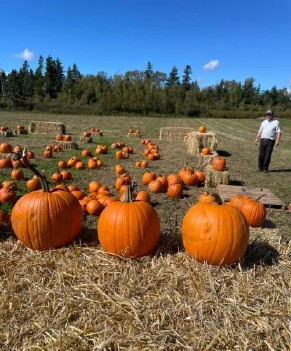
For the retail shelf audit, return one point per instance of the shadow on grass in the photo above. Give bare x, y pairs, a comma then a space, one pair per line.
260, 253
283, 170
223, 153
268, 224
236, 182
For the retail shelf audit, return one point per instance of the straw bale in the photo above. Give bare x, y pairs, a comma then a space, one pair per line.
134, 135
66, 145
80, 298
174, 133
20, 131
6, 133
86, 140
41, 127
213, 178
197, 141
205, 160
96, 133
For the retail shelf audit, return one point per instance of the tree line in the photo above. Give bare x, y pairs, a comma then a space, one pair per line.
52, 89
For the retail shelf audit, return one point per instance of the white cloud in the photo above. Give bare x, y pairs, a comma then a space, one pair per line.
212, 65
26, 55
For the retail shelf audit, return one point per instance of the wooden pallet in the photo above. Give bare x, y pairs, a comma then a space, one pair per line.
226, 192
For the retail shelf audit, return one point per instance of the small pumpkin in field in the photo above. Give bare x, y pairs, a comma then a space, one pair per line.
17, 174
205, 151
218, 163
129, 228
216, 234
175, 190
7, 195
33, 184
5, 148
45, 218
202, 129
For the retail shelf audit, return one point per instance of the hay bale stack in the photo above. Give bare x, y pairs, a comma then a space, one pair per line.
213, 178
66, 145
196, 141
41, 127
205, 160
174, 133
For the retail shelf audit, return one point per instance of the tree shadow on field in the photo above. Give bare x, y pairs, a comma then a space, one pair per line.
223, 153
260, 253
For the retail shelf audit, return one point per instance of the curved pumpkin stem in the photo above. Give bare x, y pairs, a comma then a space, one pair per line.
43, 182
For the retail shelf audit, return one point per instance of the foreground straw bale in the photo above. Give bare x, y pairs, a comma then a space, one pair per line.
80, 298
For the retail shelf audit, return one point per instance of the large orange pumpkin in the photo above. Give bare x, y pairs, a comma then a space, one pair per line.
129, 228
217, 234
45, 219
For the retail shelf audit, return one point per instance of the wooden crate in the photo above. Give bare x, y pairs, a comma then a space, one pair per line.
226, 192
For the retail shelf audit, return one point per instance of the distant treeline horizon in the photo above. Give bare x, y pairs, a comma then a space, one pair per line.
152, 93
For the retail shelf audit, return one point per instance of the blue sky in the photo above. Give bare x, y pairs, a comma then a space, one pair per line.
219, 39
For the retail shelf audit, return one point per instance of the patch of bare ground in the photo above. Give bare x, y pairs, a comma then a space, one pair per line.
80, 298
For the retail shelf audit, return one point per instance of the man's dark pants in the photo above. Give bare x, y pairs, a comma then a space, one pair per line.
265, 152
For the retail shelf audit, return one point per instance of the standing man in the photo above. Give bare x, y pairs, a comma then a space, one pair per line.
269, 135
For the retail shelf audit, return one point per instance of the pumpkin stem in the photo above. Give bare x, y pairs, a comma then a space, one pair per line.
127, 194
41, 178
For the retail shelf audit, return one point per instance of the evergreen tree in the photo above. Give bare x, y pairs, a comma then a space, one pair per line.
186, 79
149, 73
173, 78
39, 79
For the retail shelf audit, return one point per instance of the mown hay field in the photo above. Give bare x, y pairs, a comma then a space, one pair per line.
81, 298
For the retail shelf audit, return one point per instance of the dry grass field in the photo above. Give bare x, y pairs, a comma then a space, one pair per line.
81, 298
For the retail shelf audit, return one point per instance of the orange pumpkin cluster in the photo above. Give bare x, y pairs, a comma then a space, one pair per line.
63, 137
152, 151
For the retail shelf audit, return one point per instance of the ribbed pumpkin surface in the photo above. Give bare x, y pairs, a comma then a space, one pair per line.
217, 234
43, 220
130, 229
